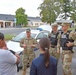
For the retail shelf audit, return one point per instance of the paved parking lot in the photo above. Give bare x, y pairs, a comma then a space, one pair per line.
27, 72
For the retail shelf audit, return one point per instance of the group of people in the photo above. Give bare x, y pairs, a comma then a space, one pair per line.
50, 48
63, 42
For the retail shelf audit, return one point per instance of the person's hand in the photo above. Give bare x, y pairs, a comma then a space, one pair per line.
24, 46
58, 51
69, 44
18, 58
32, 45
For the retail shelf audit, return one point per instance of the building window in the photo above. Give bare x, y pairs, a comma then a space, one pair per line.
36, 24
41, 23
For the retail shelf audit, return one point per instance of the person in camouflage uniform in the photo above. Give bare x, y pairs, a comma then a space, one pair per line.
28, 44
53, 36
66, 41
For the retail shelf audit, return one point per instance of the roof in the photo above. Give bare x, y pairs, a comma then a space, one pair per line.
38, 19
9, 17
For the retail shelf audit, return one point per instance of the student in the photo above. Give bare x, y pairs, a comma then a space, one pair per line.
44, 64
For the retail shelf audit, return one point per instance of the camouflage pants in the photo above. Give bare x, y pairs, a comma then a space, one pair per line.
53, 52
67, 59
27, 59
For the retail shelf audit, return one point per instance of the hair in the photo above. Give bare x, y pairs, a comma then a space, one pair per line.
1, 36
45, 44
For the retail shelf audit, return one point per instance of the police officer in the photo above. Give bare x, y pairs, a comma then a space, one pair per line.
53, 36
28, 43
67, 42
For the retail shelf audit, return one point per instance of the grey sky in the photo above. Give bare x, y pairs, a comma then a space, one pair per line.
10, 6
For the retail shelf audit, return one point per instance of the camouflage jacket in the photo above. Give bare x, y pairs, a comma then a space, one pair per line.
28, 42
72, 35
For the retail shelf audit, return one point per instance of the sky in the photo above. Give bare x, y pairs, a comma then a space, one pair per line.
10, 6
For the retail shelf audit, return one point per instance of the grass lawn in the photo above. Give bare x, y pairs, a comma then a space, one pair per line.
8, 36
72, 28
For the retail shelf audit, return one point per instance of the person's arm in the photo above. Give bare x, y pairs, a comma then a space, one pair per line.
58, 43
33, 70
11, 58
34, 45
74, 43
18, 58
17, 55
55, 67
72, 36
22, 44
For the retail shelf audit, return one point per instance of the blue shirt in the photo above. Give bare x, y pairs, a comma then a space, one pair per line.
38, 67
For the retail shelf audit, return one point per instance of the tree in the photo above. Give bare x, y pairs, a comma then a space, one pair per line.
66, 7
21, 17
69, 8
50, 9
48, 13
73, 16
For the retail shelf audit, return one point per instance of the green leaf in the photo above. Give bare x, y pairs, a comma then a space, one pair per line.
21, 17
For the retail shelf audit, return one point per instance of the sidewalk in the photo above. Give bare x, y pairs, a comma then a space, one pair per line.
27, 72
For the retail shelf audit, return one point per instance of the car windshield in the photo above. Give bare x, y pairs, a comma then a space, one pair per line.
21, 36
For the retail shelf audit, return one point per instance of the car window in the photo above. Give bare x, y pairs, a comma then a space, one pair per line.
33, 35
40, 35
45, 34
21, 36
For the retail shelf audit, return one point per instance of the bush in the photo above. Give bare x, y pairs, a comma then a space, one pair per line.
8, 36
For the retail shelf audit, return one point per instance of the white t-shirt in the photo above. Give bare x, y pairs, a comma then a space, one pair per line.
7, 63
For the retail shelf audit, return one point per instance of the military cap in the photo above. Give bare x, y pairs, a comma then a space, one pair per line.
28, 30
66, 23
54, 24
